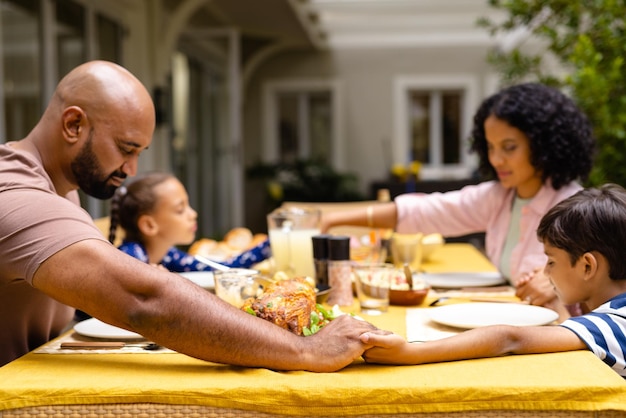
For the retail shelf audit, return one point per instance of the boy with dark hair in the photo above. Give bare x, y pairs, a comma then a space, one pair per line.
584, 237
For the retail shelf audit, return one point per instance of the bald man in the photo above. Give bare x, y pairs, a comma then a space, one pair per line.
98, 121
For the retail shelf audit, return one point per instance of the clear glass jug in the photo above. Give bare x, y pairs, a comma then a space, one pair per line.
290, 231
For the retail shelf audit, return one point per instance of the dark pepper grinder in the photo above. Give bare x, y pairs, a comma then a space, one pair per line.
320, 258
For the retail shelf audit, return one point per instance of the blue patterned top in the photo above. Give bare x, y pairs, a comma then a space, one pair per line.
179, 261
603, 330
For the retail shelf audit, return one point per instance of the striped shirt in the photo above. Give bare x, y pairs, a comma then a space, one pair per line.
604, 332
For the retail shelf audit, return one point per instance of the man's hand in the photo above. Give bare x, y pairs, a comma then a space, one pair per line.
338, 344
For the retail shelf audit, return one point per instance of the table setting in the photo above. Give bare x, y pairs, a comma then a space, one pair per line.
93, 336
103, 375
384, 268
403, 271
116, 381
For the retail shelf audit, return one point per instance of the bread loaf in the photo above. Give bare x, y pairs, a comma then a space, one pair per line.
238, 238
236, 241
203, 246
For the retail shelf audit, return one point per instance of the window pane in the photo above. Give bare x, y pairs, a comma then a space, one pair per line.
109, 40
22, 79
419, 110
451, 127
288, 127
321, 126
305, 125
70, 35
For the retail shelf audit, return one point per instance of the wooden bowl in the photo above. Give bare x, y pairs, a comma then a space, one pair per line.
408, 297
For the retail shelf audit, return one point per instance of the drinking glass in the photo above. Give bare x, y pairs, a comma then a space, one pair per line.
407, 249
235, 285
373, 281
290, 232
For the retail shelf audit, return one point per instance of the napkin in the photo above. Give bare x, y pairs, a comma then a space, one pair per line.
419, 327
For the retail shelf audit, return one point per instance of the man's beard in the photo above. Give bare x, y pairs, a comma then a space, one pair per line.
87, 171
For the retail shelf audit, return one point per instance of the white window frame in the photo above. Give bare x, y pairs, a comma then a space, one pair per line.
273, 89
435, 170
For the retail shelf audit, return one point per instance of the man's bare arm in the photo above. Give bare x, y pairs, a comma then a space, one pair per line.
101, 280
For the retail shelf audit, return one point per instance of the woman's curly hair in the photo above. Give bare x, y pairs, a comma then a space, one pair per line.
561, 138
132, 201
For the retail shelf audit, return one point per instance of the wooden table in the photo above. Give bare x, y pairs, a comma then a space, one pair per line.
573, 384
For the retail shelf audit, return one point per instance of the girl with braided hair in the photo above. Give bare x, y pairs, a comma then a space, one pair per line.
154, 212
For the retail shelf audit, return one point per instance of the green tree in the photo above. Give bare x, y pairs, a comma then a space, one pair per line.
588, 40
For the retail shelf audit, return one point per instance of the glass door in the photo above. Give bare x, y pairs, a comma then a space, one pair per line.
197, 150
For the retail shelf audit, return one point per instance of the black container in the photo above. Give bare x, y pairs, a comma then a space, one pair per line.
320, 259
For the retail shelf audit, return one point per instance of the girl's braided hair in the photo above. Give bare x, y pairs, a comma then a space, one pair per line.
132, 201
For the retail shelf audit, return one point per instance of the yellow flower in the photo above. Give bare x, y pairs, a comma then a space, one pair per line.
275, 190
402, 172
414, 167
398, 170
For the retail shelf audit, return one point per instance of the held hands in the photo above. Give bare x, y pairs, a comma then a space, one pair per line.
338, 344
386, 348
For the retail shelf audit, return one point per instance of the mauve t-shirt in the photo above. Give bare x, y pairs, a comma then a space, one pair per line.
35, 223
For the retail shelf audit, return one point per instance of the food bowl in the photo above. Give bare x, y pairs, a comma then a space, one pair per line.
400, 293
408, 297
322, 293
430, 243
203, 279
235, 285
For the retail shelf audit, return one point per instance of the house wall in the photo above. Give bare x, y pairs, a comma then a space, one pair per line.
367, 79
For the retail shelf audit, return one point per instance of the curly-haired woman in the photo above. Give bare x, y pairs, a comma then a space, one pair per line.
535, 145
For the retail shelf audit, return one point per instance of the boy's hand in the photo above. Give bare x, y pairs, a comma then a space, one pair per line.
386, 349
535, 288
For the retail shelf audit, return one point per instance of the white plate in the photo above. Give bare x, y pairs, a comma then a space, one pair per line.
95, 328
456, 280
477, 314
201, 278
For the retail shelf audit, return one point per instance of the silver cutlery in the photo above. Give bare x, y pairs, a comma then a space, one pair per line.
211, 263
490, 300
106, 345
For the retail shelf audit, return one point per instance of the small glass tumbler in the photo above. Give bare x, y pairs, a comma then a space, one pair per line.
407, 249
373, 281
235, 285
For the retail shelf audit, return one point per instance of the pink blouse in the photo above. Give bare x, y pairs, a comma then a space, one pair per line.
484, 207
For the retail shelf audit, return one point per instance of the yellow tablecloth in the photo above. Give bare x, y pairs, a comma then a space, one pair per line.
573, 381
561, 381
457, 258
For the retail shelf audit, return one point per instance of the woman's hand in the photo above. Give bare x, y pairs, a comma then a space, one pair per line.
326, 222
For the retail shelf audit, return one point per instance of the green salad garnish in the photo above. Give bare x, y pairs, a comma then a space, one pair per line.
318, 320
